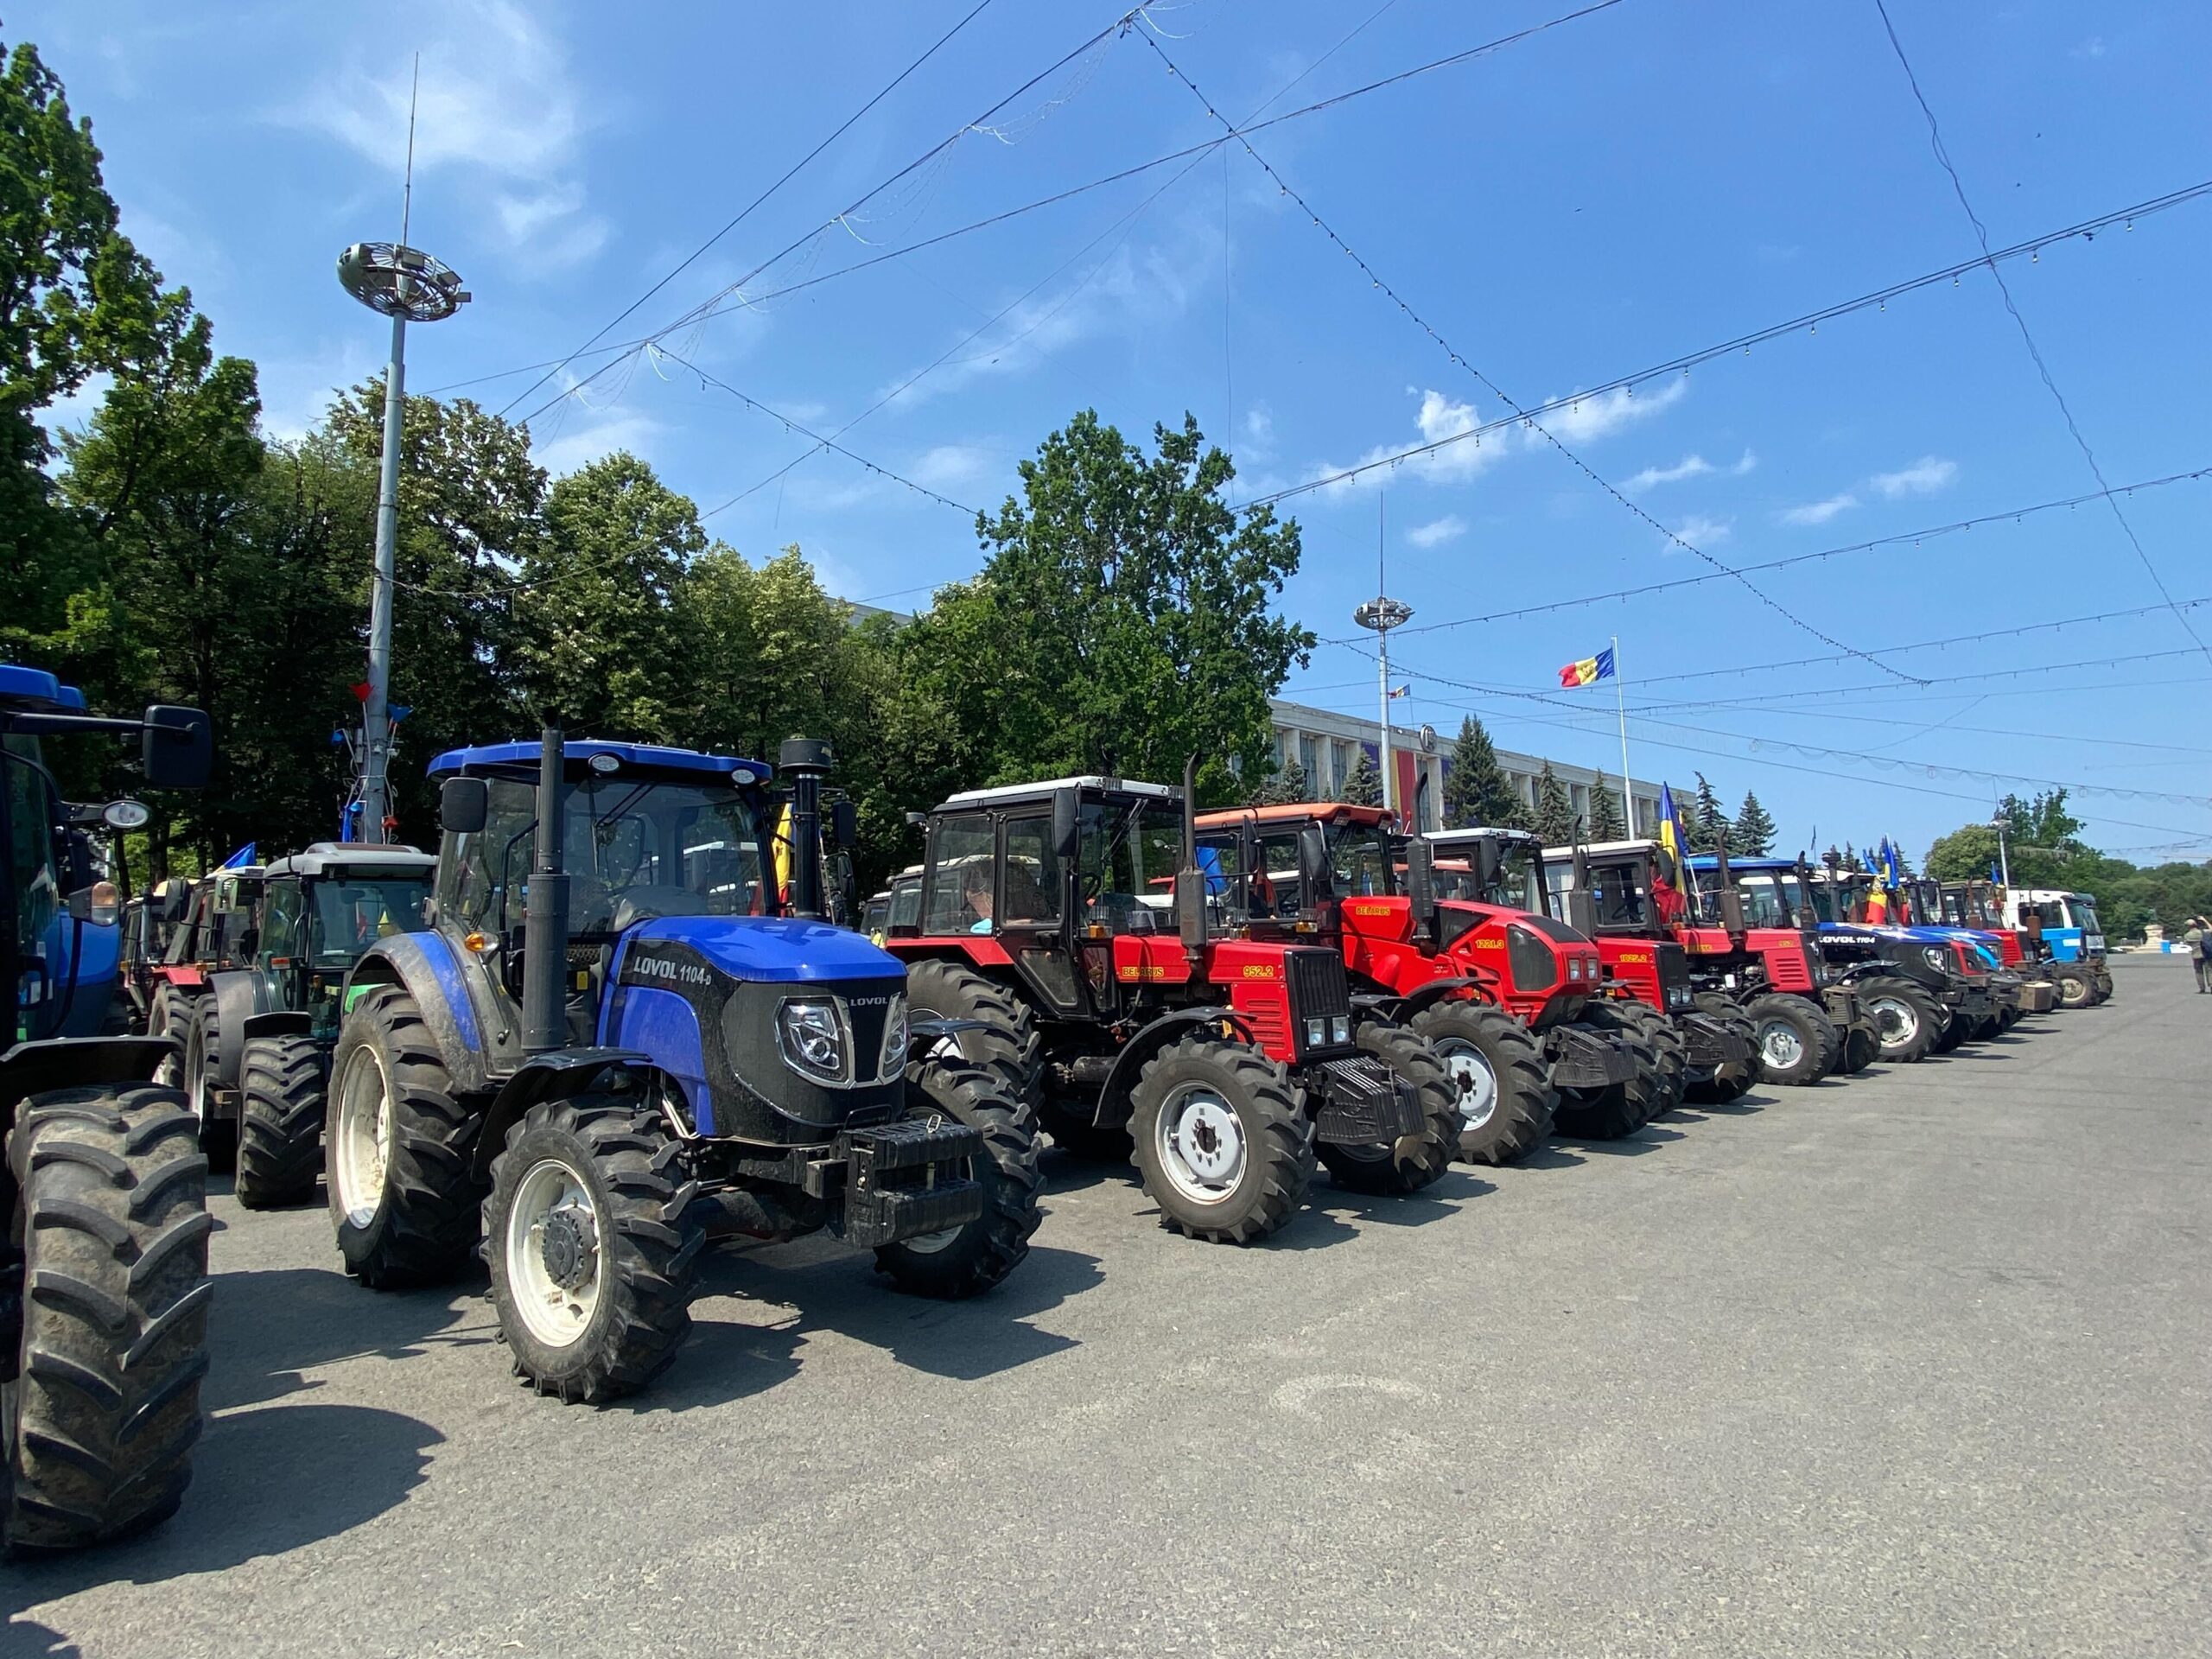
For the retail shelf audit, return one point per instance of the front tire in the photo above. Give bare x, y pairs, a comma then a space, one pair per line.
1798, 1043
592, 1250
1506, 1101
1733, 1079
1905, 1021
1007, 1042
169, 1016
1668, 1049
1620, 1108
103, 1410
1414, 1161
398, 1148
203, 1061
1221, 1144
2076, 990
280, 1122
965, 1261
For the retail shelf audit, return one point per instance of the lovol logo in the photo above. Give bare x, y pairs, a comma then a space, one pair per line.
866, 1001
671, 970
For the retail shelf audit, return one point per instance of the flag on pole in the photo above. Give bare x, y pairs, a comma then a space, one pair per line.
1671, 828
1588, 670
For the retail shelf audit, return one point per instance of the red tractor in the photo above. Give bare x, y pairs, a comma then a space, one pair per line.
1507, 995
1808, 1024
1101, 971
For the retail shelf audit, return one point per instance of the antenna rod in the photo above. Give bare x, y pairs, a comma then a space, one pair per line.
407, 188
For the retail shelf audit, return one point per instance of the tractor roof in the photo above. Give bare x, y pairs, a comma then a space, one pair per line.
1468, 836
519, 759
1644, 845
1294, 812
33, 688
1048, 787
1707, 861
360, 860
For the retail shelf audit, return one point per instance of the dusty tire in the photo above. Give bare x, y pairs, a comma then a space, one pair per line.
104, 1409
1906, 1022
1734, 1080
592, 1251
1621, 1109
1221, 1143
203, 1059
965, 1261
1860, 1050
1416, 1159
1798, 1043
169, 1016
280, 1121
1667, 1048
1506, 1099
2077, 988
1007, 1045
405, 1210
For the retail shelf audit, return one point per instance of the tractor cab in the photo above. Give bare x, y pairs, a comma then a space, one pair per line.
896, 908
2062, 927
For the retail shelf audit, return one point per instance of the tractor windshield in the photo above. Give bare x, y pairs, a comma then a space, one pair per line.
1519, 883
1127, 858
351, 914
1771, 898
1359, 854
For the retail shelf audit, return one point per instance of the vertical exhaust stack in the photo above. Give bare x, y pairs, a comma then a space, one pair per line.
1189, 881
1732, 902
546, 938
805, 762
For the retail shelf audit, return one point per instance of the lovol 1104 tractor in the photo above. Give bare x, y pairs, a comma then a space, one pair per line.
104, 1288
610, 1045
257, 1064
1505, 997
1761, 959
1120, 988
1929, 988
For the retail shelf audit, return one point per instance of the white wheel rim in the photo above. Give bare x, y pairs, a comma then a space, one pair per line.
1780, 1043
363, 1135
1473, 1077
195, 1077
1899, 1023
554, 1251
1201, 1145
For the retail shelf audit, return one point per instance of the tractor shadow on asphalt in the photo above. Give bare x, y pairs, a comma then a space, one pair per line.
1334, 1213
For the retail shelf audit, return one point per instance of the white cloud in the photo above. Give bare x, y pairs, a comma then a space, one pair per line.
1924, 477
1700, 531
1440, 419
617, 429
2092, 47
1819, 512
497, 100
948, 466
1259, 442
1688, 467
1585, 418
1438, 531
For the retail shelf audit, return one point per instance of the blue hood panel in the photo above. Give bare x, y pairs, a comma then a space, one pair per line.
773, 949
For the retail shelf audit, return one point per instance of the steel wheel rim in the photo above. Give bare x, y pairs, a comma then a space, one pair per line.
195, 1077
1780, 1045
361, 1149
552, 1210
1200, 1142
1897, 1020
1473, 1077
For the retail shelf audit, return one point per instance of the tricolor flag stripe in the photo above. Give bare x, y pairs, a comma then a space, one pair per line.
1590, 669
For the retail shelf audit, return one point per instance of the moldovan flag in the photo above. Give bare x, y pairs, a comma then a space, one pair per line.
1600, 667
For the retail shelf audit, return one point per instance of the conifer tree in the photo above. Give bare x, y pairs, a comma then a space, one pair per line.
1476, 788
1364, 786
1605, 822
1556, 817
1753, 837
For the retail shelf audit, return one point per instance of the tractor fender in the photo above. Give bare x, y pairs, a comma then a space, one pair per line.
32, 1068
280, 1022
439, 978
1113, 1107
562, 1075
239, 996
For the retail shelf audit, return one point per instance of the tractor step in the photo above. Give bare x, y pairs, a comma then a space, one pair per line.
1364, 1103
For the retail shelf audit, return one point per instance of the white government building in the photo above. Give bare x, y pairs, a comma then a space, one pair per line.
1327, 745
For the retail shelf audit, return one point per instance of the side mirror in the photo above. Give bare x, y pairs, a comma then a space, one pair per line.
1420, 883
1317, 881
1482, 863
844, 825
178, 749
1067, 832
175, 902
125, 815
463, 804
1582, 911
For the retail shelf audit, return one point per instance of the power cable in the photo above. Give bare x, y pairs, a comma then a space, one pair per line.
843, 127
2027, 338
1497, 391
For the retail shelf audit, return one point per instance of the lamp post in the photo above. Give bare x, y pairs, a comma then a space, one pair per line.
1382, 614
2003, 864
408, 286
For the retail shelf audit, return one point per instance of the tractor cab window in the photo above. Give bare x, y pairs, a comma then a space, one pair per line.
1254, 877
961, 899
1770, 899
350, 916
1126, 864
1359, 855
283, 917
32, 812
1455, 879
1620, 893
1519, 883
906, 902
1032, 887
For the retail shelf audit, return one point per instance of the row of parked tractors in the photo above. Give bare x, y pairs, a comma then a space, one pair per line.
609, 1023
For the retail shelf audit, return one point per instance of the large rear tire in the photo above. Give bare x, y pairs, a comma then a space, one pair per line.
398, 1148
203, 1063
1506, 1101
965, 1261
1905, 1021
1220, 1141
169, 1016
105, 1408
1620, 1108
592, 1248
1007, 1042
1414, 1161
2077, 988
1671, 1053
1798, 1043
280, 1122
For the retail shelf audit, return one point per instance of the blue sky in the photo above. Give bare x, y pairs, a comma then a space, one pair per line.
1600, 198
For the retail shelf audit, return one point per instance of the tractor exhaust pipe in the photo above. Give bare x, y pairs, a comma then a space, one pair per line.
1189, 881
1732, 902
545, 915
805, 762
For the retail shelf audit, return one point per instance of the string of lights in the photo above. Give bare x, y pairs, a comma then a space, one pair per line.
2027, 336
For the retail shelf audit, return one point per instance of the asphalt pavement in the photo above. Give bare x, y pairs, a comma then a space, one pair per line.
1919, 1363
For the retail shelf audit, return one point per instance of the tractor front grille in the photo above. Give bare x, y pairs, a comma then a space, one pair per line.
1318, 985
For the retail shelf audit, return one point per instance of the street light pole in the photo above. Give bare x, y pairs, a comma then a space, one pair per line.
2003, 863
1382, 614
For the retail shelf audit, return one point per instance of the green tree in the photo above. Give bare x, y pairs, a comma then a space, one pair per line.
1556, 821
1288, 787
1606, 822
1364, 787
1476, 791
1852, 862
1708, 824
599, 640
1753, 833
1122, 621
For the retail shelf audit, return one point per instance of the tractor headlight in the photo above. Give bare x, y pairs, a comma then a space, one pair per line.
813, 1037
1317, 1032
1574, 967
1935, 956
1340, 1028
1678, 997
894, 1059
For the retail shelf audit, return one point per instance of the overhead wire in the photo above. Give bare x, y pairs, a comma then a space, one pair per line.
2027, 336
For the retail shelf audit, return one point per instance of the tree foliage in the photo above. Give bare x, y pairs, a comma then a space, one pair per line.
1556, 820
1363, 786
1286, 788
1476, 790
1708, 824
1752, 834
1605, 820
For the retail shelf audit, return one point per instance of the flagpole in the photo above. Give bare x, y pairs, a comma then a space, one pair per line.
1620, 705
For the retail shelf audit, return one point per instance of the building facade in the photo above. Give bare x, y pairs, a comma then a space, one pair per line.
1327, 746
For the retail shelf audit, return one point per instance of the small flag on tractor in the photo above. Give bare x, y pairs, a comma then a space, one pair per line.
1671, 839
1588, 670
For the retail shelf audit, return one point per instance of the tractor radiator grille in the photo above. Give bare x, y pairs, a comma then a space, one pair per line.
1674, 973
1318, 985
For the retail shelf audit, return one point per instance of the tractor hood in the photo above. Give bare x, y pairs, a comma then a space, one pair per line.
773, 949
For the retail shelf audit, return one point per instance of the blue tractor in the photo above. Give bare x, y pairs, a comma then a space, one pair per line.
103, 1286
615, 1044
